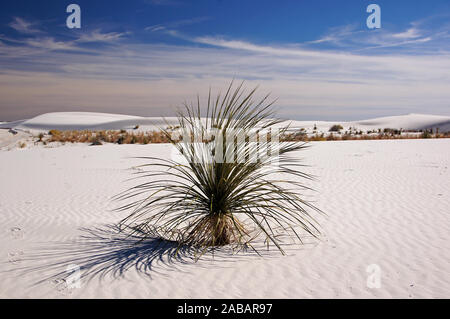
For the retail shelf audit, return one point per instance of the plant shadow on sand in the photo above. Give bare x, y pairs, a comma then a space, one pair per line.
106, 253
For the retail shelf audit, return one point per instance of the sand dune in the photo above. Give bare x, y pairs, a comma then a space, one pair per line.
104, 121
409, 122
387, 204
86, 121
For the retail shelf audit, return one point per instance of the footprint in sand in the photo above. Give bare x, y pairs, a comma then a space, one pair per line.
17, 233
15, 257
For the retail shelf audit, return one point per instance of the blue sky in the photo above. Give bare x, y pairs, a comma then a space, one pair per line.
146, 57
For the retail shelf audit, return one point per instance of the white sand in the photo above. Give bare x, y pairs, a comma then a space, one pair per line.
388, 203
11, 140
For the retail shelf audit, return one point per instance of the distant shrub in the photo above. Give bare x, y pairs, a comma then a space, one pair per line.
336, 128
426, 134
317, 137
346, 136
392, 131
96, 142
292, 137
54, 132
331, 137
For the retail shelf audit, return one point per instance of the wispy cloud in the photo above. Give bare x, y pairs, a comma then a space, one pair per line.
34, 38
49, 43
99, 36
23, 26
338, 35
411, 33
170, 26
415, 38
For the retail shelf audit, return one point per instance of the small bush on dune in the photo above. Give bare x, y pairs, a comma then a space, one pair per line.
426, 134
392, 131
96, 142
336, 128
205, 202
317, 137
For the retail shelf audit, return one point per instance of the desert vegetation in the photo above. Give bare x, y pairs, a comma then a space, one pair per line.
336, 128
150, 137
223, 192
296, 136
109, 136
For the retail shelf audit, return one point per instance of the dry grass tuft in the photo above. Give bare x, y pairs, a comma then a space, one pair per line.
107, 136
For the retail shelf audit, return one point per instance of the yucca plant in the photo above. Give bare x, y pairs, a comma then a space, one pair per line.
235, 184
